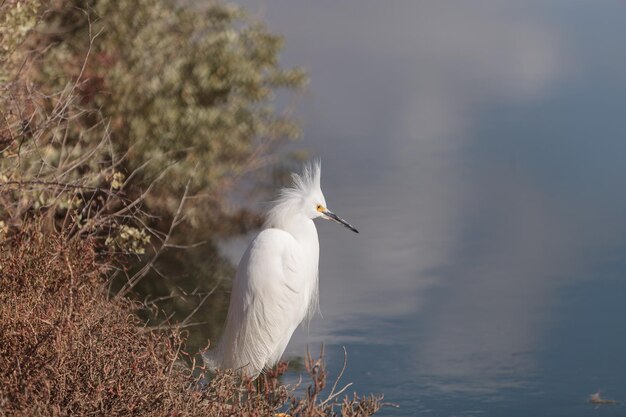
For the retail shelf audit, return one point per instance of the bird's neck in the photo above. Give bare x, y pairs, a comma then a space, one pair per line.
286, 215
303, 230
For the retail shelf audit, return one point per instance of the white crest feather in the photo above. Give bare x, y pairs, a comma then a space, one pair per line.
309, 180
289, 198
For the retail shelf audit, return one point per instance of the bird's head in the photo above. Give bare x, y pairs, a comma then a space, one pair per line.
307, 188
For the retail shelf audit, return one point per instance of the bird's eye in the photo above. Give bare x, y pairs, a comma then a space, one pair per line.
320, 207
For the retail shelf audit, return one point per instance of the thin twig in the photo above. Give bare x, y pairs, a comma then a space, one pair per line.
332, 391
200, 303
146, 268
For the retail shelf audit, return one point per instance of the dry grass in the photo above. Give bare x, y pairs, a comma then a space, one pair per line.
67, 348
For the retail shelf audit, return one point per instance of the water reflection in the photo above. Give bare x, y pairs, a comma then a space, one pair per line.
430, 66
492, 315
456, 137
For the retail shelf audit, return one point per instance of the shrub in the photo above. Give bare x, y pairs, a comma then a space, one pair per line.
177, 99
67, 348
99, 159
188, 91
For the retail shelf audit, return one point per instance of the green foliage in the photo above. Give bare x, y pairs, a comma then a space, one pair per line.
17, 18
130, 239
187, 90
122, 107
137, 96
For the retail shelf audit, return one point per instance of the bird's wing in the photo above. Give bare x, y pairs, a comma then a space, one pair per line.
268, 300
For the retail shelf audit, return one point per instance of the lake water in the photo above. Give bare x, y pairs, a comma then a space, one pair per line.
480, 148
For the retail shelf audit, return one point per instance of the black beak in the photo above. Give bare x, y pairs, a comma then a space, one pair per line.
332, 216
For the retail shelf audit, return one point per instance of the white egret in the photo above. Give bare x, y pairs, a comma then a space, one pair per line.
276, 286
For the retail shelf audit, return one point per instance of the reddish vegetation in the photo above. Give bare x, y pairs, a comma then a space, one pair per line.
68, 348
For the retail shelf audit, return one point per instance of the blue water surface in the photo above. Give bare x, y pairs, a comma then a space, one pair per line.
480, 148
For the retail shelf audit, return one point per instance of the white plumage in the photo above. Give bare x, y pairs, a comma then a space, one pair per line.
276, 286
